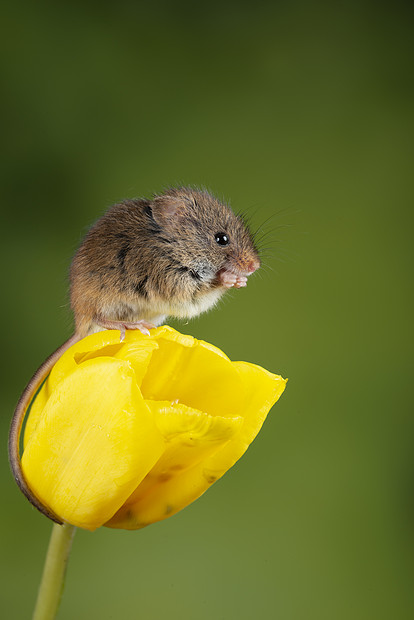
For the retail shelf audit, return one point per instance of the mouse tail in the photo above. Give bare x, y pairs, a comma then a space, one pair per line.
17, 424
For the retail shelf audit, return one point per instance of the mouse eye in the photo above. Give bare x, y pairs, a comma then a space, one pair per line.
222, 238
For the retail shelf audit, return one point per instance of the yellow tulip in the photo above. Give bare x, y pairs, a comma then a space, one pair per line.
125, 434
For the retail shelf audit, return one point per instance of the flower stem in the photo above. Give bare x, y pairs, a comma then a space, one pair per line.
51, 586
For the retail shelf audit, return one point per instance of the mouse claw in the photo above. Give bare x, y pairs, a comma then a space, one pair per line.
143, 326
144, 330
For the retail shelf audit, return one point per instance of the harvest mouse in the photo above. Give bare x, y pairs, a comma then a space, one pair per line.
144, 260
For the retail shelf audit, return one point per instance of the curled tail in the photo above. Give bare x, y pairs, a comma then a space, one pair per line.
17, 423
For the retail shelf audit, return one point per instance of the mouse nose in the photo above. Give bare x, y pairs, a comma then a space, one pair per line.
253, 265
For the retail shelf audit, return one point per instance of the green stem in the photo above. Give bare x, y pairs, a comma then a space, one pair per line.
51, 586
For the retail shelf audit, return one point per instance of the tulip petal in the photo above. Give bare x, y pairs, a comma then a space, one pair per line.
35, 413
71, 358
263, 389
159, 501
194, 373
191, 436
101, 344
66, 364
96, 440
138, 354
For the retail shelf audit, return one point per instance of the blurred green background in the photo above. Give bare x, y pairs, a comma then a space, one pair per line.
297, 110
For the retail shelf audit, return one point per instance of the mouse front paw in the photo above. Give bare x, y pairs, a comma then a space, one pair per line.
229, 279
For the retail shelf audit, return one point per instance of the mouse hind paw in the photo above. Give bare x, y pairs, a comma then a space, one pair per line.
143, 326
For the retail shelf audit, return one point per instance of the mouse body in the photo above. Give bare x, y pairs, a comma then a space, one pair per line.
142, 261
172, 256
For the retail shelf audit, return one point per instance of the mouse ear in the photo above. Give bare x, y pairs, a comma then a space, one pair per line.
167, 208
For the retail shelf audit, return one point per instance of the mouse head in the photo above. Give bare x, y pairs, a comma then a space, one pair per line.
207, 236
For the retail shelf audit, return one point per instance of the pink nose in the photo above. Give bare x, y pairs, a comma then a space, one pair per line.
253, 265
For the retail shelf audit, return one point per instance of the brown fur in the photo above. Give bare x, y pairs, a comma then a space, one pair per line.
148, 259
